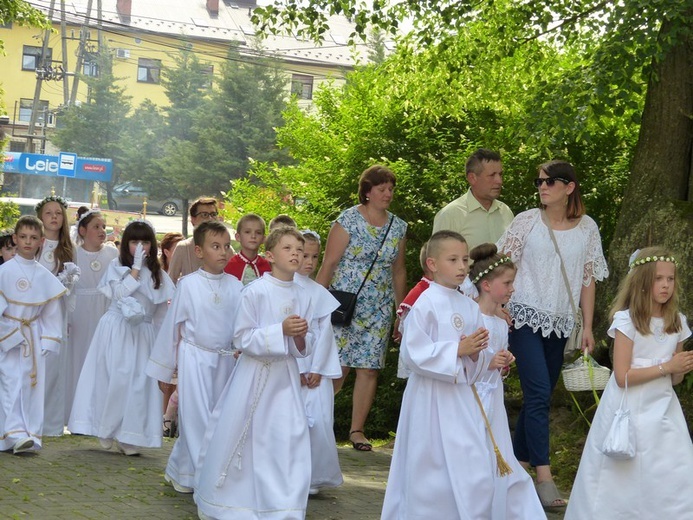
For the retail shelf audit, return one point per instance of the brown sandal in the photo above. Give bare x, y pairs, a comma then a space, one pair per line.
360, 446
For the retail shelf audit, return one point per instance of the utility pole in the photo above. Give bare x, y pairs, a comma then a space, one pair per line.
80, 53
29, 146
63, 37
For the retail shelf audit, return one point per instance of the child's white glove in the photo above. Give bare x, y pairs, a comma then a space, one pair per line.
138, 260
69, 276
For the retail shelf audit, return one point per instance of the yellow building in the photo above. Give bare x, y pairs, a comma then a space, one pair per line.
143, 35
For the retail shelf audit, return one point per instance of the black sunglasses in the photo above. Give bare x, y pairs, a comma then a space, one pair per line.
550, 181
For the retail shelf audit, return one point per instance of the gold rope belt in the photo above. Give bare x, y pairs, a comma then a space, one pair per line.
28, 350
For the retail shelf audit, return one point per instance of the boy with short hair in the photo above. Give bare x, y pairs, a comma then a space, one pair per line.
30, 328
197, 334
256, 462
247, 265
282, 220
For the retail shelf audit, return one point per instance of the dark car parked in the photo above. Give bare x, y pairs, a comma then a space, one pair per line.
128, 196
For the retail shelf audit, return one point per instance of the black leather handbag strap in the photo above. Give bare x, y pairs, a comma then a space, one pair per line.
376, 255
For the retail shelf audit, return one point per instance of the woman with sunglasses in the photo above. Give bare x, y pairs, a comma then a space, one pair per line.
541, 307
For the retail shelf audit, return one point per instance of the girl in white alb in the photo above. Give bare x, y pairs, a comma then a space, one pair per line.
115, 399
93, 256
493, 275
648, 333
56, 251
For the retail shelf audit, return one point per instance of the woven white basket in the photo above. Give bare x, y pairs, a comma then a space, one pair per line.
585, 374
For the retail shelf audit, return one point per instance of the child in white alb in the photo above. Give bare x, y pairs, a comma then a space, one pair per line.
31, 326
442, 466
493, 275
196, 336
318, 369
55, 253
92, 256
255, 461
115, 399
649, 332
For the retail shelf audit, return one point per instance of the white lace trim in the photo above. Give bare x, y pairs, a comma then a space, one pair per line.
561, 324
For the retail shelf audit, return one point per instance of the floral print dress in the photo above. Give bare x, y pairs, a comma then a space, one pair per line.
362, 343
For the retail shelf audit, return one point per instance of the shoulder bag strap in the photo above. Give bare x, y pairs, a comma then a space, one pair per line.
560, 258
376, 255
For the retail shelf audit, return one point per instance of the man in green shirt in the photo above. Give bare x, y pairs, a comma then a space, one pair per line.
477, 215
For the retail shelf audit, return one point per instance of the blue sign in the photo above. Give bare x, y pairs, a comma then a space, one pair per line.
67, 164
87, 168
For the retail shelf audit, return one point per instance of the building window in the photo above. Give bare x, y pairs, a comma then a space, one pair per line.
25, 107
302, 86
90, 68
208, 75
31, 57
148, 71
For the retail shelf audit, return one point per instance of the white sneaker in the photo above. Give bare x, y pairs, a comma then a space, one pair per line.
23, 445
106, 444
178, 487
127, 449
313, 491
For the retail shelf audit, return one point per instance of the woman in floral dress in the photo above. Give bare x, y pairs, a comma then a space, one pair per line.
353, 242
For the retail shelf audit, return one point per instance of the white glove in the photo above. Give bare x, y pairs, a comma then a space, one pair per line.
138, 260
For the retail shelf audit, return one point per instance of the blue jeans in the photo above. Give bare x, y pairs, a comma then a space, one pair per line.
539, 362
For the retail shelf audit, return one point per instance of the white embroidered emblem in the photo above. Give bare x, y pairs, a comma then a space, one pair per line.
288, 308
457, 321
23, 284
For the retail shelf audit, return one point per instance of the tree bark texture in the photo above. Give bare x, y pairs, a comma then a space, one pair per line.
657, 207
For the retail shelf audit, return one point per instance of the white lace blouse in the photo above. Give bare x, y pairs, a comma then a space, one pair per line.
540, 299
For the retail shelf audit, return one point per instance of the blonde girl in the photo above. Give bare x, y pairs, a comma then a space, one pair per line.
57, 247
55, 252
648, 332
493, 275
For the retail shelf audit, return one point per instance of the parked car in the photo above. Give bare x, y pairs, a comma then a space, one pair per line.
128, 196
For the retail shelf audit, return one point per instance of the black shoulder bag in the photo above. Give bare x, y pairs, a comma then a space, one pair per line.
347, 300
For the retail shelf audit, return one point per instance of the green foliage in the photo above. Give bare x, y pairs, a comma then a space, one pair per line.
228, 130
142, 150
96, 127
9, 213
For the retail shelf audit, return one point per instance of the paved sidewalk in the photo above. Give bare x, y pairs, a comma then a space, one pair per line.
73, 478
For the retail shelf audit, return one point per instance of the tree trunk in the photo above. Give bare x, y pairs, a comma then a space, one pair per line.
657, 207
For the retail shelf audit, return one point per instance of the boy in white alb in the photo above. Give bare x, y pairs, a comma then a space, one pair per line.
442, 466
317, 372
196, 335
255, 462
30, 327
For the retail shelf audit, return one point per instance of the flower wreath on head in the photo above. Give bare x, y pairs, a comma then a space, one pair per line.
87, 213
497, 263
649, 259
312, 233
52, 198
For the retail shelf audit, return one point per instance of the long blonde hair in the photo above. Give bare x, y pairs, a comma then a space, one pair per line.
635, 295
64, 251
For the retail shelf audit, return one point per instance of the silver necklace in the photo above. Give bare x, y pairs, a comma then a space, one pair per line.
48, 253
216, 295
24, 284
